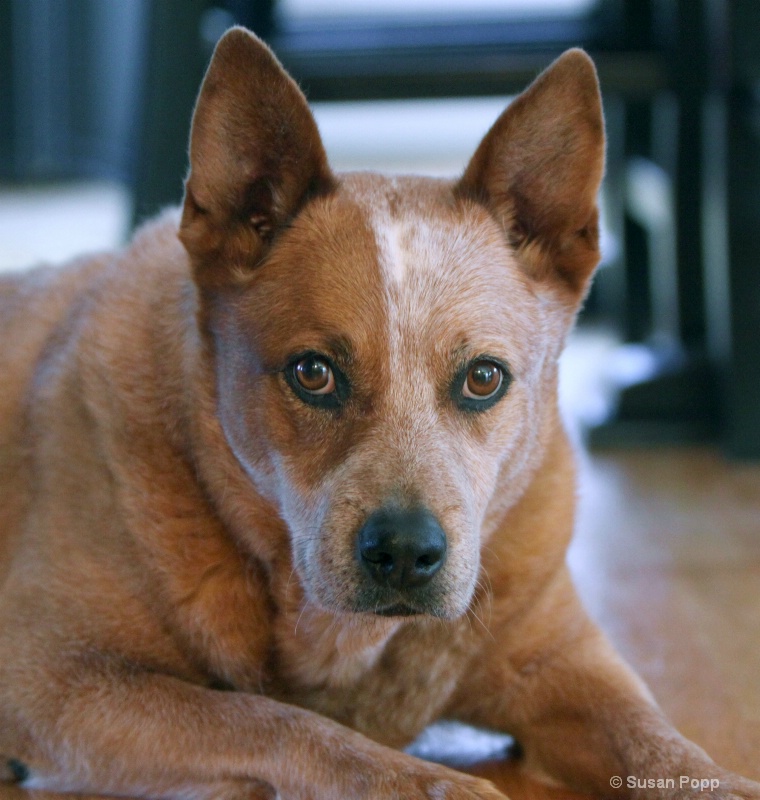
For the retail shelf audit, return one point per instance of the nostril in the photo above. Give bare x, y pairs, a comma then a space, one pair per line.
378, 557
427, 561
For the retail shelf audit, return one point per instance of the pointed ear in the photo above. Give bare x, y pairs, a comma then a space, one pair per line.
255, 158
539, 168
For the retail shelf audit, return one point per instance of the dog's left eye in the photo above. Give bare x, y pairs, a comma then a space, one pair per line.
483, 380
480, 384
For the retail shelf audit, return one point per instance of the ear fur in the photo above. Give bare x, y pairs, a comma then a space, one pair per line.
255, 157
539, 168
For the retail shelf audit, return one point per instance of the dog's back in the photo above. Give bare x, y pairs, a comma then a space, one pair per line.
45, 314
33, 307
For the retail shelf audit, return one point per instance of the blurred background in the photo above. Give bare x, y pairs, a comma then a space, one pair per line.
96, 98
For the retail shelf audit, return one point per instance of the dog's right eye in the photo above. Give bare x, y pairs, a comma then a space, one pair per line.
315, 381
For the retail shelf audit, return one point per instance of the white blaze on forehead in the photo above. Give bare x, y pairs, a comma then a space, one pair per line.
412, 234
389, 235
412, 245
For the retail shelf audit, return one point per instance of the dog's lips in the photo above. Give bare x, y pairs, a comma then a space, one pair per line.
398, 610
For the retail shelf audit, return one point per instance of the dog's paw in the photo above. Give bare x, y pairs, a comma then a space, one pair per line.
723, 786
433, 782
237, 790
732, 787
471, 789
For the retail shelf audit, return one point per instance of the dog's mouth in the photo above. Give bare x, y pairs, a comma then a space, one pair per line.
398, 610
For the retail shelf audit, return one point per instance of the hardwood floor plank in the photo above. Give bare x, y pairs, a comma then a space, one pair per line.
667, 558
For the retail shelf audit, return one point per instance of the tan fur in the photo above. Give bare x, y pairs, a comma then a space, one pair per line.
182, 609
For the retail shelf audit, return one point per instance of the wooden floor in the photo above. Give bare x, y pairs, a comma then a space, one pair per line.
667, 558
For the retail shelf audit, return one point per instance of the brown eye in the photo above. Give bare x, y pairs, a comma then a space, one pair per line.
314, 374
483, 380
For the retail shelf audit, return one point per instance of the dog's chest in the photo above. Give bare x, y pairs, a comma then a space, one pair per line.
384, 678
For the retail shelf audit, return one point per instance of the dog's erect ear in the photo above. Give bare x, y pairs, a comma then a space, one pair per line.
255, 157
539, 168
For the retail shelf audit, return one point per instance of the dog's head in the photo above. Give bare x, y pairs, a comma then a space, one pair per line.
385, 348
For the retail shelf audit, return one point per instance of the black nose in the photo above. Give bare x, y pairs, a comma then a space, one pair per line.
402, 549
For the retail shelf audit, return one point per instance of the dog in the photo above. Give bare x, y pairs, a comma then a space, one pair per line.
285, 481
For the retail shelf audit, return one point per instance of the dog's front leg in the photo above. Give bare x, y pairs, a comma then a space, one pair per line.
246, 790
550, 678
145, 735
